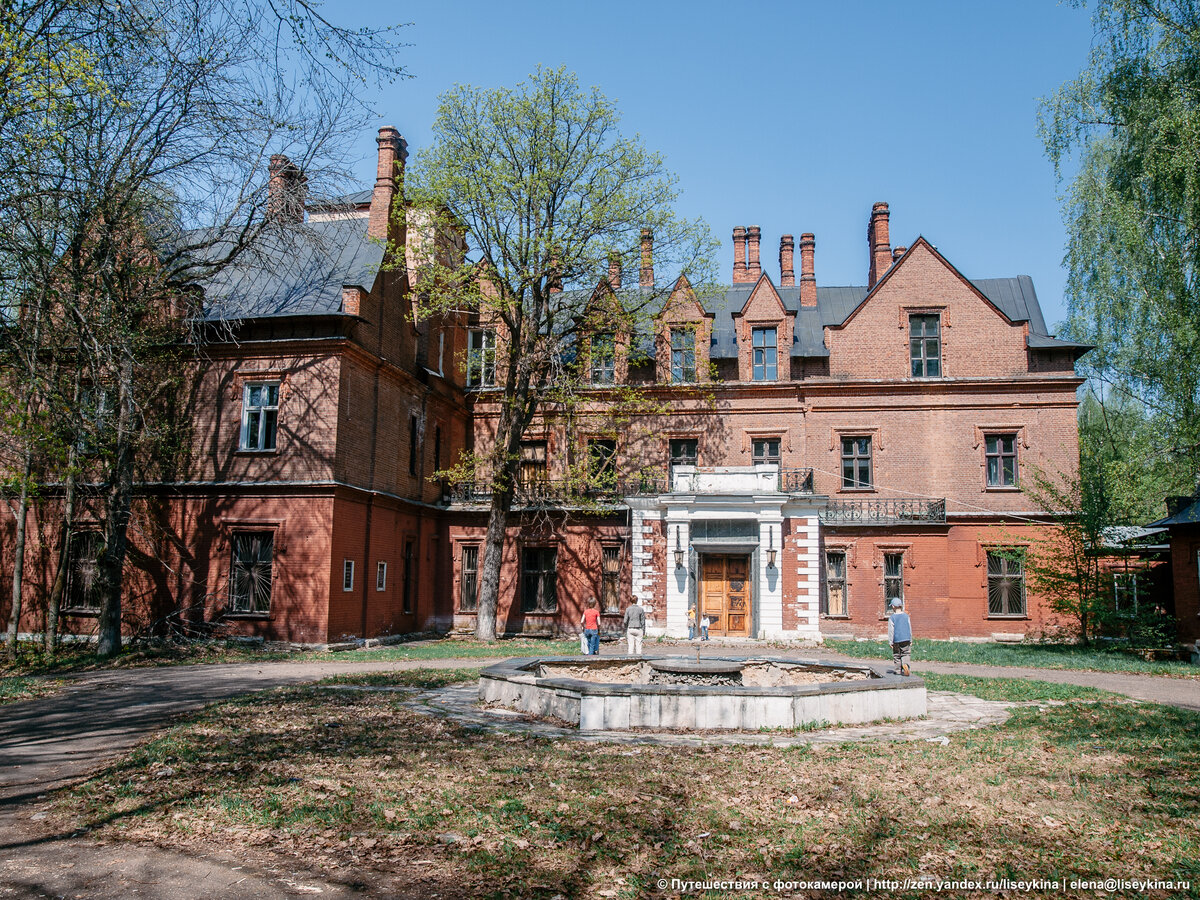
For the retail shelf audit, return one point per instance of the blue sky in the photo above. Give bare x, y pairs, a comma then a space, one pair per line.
794, 116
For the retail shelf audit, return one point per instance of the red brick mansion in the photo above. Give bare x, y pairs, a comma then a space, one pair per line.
820, 451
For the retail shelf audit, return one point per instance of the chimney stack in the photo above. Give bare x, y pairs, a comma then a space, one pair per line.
878, 243
646, 276
739, 255
285, 191
787, 251
753, 266
614, 272
808, 278
389, 173
898, 252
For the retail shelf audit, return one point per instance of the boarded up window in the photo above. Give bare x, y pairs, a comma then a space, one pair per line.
84, 572
1006, 583
834, 600
251, 572
468, 585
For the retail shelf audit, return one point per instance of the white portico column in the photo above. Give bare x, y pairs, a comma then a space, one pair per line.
678, 534
769, 578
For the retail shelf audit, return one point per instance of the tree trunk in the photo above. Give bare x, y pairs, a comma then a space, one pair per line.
14, 622
116, 529
54, 603
493, 554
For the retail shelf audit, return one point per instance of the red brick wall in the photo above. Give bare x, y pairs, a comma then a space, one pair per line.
977, 340
1185, 544
579, 545
945, 581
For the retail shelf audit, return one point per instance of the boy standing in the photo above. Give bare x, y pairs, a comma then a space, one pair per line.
900, 637
591, 626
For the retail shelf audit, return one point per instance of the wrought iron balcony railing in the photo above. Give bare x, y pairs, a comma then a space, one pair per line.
536, 493
884, 512
795, 481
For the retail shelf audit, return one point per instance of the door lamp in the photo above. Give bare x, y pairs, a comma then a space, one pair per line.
770, 546
678, 550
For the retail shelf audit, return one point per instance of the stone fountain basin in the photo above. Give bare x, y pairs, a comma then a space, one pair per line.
612, 693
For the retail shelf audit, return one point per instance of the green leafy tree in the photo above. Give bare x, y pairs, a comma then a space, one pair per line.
1130, 122
151, 178
549, 194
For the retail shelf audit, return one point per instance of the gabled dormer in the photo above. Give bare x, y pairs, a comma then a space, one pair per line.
764, 329
605, 334
682, 337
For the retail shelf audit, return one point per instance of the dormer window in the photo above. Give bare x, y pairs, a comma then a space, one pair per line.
683, 354
925, 345
603, 359
764, 342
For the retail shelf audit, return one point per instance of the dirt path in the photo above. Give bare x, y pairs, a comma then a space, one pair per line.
53, 741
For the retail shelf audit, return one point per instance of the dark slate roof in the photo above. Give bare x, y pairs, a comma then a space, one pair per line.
1014, 297
1189, 515
358, 198
296, 272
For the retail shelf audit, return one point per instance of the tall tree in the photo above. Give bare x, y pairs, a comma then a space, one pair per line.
159, 182
551, 196
1131, 124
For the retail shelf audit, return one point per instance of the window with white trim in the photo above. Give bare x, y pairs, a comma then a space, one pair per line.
481, 358
381, 576
764, 347
347, 574
260, 415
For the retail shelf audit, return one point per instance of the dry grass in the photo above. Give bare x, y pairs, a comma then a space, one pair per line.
355, 782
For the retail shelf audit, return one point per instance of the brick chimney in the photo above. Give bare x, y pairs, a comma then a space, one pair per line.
753, 266
787, 251
614, 272
878, 243
389, 174
554, 276
808, 278
285, 191
739, 255
898, 252
646, 276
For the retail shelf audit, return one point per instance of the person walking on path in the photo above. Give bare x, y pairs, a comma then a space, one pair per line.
900, 637
635, 627
591, 627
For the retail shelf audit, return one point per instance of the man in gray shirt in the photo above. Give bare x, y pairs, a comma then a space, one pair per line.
635, 627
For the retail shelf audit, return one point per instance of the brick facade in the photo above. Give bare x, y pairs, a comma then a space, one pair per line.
372, 402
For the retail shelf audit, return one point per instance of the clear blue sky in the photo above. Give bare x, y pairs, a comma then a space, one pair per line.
794, 116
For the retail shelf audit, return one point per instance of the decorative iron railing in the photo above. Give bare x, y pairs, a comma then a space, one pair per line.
558, 493
884, 512
795, 481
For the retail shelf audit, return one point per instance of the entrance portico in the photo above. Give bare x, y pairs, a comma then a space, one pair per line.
737, 550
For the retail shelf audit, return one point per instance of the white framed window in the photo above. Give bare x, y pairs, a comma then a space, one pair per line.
347, 575
481, 358
260, 415
765, 359
381, 576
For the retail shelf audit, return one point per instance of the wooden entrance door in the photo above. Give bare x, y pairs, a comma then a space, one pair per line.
725, 594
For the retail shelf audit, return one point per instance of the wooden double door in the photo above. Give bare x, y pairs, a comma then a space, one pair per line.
725, 594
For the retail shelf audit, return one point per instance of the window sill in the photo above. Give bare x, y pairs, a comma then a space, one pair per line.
866, 490
830, 616
1002, 489
254, 616
1019, 617
86, 613
242, 451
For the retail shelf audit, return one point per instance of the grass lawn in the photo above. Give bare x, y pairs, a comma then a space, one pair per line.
1041, 656
356, 785
24, 687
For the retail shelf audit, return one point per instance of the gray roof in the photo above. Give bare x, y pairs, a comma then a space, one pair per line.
358, 198
299, 271
1014, 297
1188, 515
